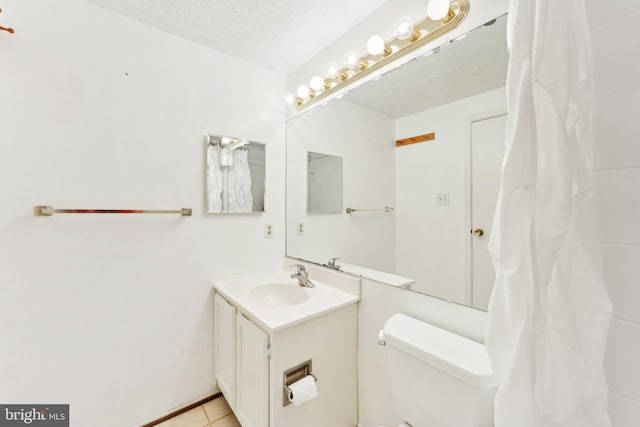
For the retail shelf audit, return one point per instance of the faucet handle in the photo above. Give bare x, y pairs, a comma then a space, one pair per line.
300, 267
332, 263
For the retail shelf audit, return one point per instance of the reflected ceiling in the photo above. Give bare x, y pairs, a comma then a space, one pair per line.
444, 76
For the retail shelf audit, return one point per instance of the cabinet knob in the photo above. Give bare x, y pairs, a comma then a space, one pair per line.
478, 232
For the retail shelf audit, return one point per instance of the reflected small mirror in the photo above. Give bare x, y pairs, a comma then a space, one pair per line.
235, 175
324, 183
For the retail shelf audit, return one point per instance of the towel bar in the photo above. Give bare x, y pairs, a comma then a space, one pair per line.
48, 211
385, 209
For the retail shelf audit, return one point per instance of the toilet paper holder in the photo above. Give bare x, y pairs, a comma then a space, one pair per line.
292, 375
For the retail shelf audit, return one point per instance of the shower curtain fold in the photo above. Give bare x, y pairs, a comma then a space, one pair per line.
549, 312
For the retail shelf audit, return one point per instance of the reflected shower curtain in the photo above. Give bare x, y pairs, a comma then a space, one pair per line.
214, 179
549, 313
239, 183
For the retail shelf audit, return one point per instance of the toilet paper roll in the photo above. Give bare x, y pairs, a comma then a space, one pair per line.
303, 390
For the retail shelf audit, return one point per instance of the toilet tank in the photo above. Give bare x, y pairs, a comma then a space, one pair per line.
438, 378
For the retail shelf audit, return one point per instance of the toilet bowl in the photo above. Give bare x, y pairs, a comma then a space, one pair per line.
438, 378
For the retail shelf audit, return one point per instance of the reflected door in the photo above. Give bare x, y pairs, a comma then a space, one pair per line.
487, 152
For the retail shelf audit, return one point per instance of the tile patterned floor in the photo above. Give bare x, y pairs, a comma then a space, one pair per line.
215, 413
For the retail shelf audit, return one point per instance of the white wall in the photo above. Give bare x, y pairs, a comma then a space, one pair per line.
430, 239
364, 139
111, 313
615, 31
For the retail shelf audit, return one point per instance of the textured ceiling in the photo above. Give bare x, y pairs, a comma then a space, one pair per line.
469, 66
280, 35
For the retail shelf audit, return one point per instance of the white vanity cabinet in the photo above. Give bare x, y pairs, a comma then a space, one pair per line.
252, 374
224, 354
241, 364
269, 332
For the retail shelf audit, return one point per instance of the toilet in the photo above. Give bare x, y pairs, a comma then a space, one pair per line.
438, 378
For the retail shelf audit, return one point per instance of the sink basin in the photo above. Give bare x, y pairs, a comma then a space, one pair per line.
280, 294
275, 301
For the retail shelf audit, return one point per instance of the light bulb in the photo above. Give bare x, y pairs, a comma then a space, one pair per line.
317, 83
333, 70
438, 9
376, 46
403, 28
302, 92
352, 59
289, 98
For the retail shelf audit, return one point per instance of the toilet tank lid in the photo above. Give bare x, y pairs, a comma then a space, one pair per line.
449, 352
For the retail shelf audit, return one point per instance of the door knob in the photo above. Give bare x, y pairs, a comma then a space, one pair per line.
478, 232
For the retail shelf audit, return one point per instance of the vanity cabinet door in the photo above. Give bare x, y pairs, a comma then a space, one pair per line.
252, 398
225, 348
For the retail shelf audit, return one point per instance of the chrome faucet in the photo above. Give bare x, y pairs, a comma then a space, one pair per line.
303, 276
332, 264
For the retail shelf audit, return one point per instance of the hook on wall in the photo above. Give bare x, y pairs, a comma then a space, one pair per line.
9, 30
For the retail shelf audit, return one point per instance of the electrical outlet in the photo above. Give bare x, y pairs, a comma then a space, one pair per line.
300, 228
442, 199
268, 231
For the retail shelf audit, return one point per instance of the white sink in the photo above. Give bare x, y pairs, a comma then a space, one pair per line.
276, 301
280, 294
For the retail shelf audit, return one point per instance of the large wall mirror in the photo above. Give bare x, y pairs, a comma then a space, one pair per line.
423, 210
235, 175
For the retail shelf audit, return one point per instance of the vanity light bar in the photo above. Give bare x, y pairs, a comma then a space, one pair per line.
423, 32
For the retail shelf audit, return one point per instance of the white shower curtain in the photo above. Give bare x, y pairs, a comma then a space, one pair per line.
239, 183
214, 179
549, 313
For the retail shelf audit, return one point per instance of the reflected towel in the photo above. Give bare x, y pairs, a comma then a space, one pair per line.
214, 179
239, 183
